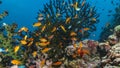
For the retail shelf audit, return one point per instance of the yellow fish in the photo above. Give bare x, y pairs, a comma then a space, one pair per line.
16, 48
45, 50
34, 53
67, 20
43, 40
16, 62
43, 28
37, 24
63, 28
23, 42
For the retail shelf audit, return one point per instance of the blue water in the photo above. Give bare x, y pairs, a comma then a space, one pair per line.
24, 12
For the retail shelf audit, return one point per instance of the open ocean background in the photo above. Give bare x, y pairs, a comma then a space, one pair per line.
24, 12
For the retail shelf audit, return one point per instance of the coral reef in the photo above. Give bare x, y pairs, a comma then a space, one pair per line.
62, 24
59, 39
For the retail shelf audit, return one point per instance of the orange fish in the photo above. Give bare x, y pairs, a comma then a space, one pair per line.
40, 15
54, 29
16, 48
74, 39
37, 43
63, 28
67, 20
43, 28
76, 6
48, 15
58, 14
30, 39
80, 31
82, 52
37, 34
57, 63
45, 50
93, 19
16, 62
49, 23
80, 44
44, 44
74, 45
23, 29
25, 37
107, 24
83, 3
34, 54
73, 34
30, 43
76, 16
42, 63
43, 40
86, 29
50, 37
74, 55
23, 42
37, 24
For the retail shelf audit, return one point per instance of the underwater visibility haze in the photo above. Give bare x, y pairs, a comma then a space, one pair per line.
59, 33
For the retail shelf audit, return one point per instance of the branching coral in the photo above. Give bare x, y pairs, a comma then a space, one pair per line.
63, 23
74, 15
